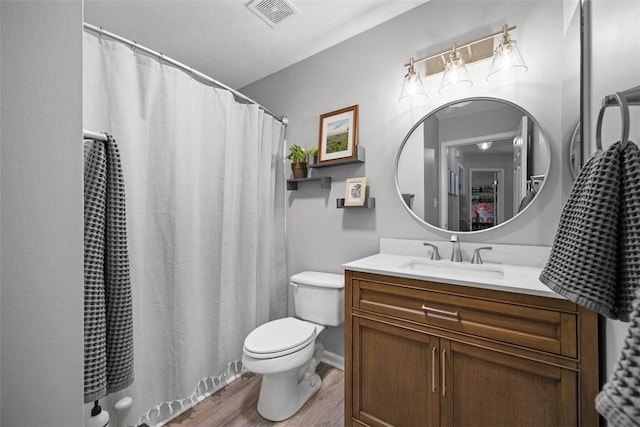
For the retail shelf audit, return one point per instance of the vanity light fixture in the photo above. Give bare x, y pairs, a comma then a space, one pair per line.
453, 62
484, 146
455, 73
412, 83
506, 58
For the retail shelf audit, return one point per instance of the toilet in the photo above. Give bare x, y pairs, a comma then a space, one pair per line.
285, 351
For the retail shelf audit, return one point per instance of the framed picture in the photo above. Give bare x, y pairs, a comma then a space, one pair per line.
355, 190
338, 134
450, 181
454, 184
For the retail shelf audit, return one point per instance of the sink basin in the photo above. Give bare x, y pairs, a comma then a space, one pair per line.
454, 269
498, 276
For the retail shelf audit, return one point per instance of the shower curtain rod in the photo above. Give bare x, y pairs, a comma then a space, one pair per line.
135, 46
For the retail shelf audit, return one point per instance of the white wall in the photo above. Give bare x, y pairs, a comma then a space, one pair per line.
614, 66
368, 70
41, 205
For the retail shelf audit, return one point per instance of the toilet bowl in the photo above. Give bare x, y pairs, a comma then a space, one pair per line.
286, 351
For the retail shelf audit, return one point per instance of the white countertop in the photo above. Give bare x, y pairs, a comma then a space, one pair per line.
501, 277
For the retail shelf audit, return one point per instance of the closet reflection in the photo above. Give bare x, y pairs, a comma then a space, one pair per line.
472, 164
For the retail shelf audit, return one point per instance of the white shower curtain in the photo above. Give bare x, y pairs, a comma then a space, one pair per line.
205, 221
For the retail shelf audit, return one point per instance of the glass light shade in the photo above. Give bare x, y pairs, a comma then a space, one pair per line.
506, 61
455, 77
412, 86
484, 145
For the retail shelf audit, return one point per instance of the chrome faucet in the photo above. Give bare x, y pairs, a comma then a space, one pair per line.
435, 255
476, 255
456, 253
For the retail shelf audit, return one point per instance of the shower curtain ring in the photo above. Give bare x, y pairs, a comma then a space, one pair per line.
161, 59
100, 36
134, 47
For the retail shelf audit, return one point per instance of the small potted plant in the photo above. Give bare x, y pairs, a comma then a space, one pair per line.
312, 155
298, 157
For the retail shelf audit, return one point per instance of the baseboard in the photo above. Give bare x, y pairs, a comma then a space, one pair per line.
333, 359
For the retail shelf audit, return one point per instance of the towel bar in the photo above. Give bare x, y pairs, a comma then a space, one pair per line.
622, 99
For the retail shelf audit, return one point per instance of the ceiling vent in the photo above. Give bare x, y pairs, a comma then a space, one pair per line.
272, 12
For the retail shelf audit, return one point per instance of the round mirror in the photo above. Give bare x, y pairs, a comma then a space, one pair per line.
472, 165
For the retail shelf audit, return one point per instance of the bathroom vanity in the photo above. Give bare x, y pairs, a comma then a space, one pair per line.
480, 345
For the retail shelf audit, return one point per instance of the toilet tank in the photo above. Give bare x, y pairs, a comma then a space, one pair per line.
319, 297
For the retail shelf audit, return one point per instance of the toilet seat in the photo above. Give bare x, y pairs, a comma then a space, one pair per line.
279, 338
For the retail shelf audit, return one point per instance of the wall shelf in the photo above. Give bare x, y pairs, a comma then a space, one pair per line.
358, 159
369, 203
325, 182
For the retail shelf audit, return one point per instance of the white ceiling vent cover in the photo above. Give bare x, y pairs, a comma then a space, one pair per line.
272, 11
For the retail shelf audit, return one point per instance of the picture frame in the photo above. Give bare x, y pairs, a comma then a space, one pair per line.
454, 183
450, 181
338, 135
355, 191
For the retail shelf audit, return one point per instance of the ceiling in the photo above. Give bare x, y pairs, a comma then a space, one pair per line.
227, 41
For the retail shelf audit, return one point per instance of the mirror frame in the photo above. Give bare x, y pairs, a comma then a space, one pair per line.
577, 133
434, 111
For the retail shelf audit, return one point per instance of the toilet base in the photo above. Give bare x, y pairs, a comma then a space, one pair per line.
288, 382
282, 396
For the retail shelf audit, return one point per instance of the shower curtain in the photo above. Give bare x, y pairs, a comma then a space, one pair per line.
205, 221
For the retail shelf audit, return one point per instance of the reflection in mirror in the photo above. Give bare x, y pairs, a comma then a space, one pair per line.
472, 164
575, 151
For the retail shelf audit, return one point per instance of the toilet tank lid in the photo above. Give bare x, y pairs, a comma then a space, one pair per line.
317, 278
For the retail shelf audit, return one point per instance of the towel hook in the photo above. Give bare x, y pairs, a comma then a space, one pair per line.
624, 112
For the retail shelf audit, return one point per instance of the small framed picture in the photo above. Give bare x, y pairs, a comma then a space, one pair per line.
338, 135
355, 190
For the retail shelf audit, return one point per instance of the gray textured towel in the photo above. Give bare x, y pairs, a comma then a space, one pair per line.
108, 320
595, 257
528, 198
619, 400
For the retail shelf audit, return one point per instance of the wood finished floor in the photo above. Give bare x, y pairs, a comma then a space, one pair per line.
235, 405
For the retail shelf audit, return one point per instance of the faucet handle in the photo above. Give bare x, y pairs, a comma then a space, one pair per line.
435, 255
476, 254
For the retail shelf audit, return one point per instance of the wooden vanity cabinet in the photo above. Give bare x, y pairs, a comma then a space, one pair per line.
421, 353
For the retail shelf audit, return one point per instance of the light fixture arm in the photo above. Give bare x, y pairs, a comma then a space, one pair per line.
454, 52
411, 68
506, 38
504, 32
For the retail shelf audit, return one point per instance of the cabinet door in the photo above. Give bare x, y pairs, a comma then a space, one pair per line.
394, 375
483, 387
